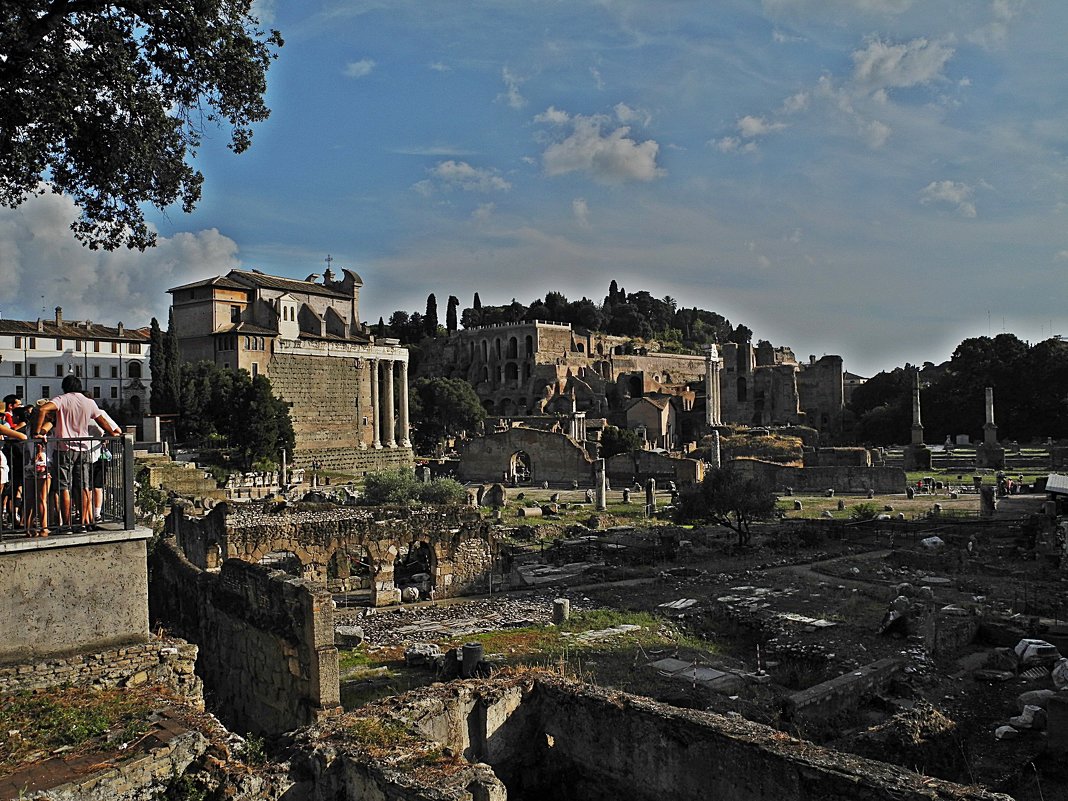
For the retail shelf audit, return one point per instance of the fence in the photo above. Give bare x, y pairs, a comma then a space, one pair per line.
98, 478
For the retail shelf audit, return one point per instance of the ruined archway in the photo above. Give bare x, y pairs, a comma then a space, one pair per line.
414, 567
286, 561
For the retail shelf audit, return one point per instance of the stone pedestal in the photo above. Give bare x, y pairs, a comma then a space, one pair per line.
992, 456
917, 457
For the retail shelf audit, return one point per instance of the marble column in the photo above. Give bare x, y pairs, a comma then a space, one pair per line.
389, 427
990, 430
712, 388
405, 440
917, 423
375, 404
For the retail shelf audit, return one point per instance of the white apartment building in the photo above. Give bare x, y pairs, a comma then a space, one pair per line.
112, 362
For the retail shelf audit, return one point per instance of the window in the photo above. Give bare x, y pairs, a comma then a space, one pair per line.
18, 368
134, 370
114, 371
18, 342
78, 371
19, 392
96, 371
46, 391
33, 343
235, 314
255, 369
135, 347
77, 344
33, 369
96, 392
59, 371
114, 347
96, 346
114, 392
59, 344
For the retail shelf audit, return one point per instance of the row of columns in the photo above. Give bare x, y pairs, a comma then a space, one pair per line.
389, 407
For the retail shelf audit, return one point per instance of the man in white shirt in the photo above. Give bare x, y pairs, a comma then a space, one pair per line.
73, 413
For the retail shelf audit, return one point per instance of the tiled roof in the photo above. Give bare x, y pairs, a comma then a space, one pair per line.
259, 279
245, 328
71, 329
219, 280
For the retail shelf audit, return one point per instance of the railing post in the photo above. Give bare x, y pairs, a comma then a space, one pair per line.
127, 483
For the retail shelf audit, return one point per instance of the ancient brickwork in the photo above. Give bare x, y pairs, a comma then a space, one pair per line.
169, 662
883, 480
550, 457
266, 638
842, 693
628, 468
461, 544
821, 393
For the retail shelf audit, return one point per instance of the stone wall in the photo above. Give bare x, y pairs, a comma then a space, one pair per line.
73, 593
884, 480
550, 738
628, 468
554, 458
266, 639
167, 661
841, 694
462, 544
332, 413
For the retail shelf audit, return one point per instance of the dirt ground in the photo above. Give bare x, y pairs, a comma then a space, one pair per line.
807, 608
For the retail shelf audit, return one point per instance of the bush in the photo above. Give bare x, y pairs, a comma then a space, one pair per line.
864, 511
399, 487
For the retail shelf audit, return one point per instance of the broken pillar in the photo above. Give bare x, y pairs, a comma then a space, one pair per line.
601, 484
650, 496
561, 611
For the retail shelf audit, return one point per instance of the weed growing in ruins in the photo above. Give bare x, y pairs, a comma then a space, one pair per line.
255, 750
71, 717
864, 511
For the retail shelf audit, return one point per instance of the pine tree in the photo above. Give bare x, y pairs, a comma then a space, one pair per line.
430, 321
450, 313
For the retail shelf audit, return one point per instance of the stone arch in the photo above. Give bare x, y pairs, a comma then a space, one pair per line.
488, 405
511, 371
485, 350
497, 347
528, 345
213, 556
513, 348
634, 386
283, 560
415, 566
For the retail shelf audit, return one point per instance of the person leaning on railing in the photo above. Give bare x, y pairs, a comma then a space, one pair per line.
7, 497
73, 411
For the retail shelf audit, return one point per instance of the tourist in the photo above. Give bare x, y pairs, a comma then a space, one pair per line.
10, 429
39, 456
73, 411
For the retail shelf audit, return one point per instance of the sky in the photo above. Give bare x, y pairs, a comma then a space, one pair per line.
877, 179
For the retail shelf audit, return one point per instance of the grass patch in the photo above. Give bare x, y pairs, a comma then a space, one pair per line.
352, 661
76, 718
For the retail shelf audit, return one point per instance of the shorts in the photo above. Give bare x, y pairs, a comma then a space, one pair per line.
71, 467
97, 472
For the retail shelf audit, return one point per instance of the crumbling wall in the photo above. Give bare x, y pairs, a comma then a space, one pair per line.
627, 468
167, 661
266, 639
551, 738
555, 458
816, 479
842, 693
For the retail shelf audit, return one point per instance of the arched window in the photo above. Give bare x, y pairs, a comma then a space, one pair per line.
513, 348
530, 345
134, 370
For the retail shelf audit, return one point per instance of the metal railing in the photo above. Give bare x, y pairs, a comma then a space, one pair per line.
99, 476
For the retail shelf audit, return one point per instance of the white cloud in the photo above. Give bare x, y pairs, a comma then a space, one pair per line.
438, 66
751, 127
883, 65
951, 192
732, 144
43, 265
553, 116
581, 209
626, 114
359, 69
779, 37
511, 94
453, 174
795, 103
875, 133
597, 79
992, 35
483, 211
1062, 255
611, 157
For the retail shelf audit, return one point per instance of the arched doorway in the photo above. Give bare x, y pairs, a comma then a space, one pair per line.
286, 561
414, 567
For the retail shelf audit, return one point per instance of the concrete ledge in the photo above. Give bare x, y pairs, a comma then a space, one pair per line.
19, 544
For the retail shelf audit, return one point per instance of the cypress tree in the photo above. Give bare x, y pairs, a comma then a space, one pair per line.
450, 313
430, 321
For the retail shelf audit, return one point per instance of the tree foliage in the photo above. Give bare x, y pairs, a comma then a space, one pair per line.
729, 499
231, 406
615, 441
441, 408
107, 102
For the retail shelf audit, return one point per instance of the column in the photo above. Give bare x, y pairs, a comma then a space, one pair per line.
375, 404
712, 388
405, 441
389, 428
917, 424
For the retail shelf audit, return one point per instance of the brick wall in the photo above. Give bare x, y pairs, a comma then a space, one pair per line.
267, 639
817, 479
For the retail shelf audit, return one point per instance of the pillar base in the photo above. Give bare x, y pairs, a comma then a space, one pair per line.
992, 456
917, 457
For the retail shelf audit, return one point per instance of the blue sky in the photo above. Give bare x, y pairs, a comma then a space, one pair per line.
873, 178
